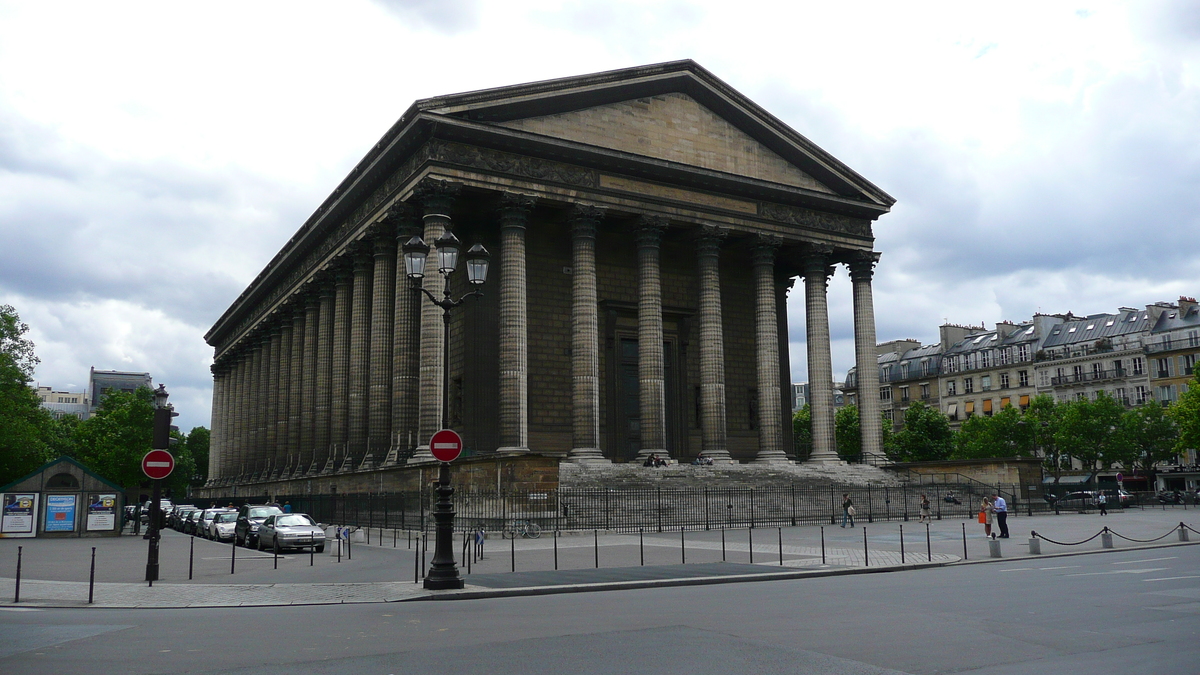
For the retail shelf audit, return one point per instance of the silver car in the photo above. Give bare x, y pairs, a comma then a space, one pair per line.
206, 518
222, 525
290, 530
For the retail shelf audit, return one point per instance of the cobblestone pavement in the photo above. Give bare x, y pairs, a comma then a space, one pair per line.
55, 570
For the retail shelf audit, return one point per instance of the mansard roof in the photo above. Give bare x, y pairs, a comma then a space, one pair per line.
1098, 326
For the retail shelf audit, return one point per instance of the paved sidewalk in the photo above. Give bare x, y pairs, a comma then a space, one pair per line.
55, 571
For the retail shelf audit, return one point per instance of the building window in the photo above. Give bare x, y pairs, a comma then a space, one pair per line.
951, 389
885, 393
1140, 395
1081, 396
924, 392
1023, 378
987, 407
968, 385
1139, 365
1023, 352
886, 374
1189, 364
1097, 371
904, 371
1118, 371
1045, 378
888, 414
1166, 394
985, 359
1077, 371
1004, 380
985, 383
969, 408
1193, 338
1164, 367
903, 393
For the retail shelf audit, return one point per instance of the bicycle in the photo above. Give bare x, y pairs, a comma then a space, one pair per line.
527, 529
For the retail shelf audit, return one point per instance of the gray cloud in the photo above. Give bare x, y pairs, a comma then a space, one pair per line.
444, 16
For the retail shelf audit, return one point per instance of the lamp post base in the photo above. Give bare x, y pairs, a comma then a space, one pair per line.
443, 573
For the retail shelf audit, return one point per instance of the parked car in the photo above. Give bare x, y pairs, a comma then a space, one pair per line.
1076, 500
206, 518
290, 530
180, 517
192, 524
222, 526
165, 507
249, 518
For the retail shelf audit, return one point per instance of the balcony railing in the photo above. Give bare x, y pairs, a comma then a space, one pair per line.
1115, 373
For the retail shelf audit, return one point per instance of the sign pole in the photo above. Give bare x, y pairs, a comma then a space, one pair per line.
152, 533
158, 464
445, 446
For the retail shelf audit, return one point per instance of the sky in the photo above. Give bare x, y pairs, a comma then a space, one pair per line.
1045, 156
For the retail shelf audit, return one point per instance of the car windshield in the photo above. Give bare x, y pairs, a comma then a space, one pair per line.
294, 520
226, 518
263, 512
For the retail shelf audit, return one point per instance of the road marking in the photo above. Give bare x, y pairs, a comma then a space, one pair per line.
1063, 567
19, 609
1194, 576
1140, 571
1130, 562
1017, 569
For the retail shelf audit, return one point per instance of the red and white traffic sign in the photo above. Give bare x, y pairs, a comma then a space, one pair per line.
158, 464
446, 445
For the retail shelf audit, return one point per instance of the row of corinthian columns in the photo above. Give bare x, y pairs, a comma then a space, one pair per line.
349, 375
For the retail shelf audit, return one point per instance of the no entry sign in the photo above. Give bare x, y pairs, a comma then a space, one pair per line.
158, 464
446, 445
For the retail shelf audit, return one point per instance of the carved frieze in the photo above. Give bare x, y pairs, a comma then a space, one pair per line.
517, 165
817, 220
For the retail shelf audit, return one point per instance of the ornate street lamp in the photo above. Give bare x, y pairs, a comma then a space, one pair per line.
161, 440
443, 572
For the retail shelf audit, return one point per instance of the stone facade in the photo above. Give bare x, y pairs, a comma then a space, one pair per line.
645, 226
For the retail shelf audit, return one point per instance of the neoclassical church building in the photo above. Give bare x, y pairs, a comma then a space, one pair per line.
645, 227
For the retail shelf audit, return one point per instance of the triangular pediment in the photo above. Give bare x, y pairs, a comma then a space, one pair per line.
673, 127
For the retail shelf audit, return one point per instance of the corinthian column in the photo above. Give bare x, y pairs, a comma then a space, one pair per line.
308, 386
339, 407
360, 355
712, 346
651, 377
514, 340
271, 402
862, 267
406, 343
295, 387
820, 364
254, 456
383, 308
436, 198
585, 338
324, 388
766, 349
216, 422
282, 400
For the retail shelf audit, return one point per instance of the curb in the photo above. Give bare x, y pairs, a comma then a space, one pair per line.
1068, 554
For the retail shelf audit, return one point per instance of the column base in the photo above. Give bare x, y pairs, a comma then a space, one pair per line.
423, 454
719, 456
587, 456
646, 452
827, 459
777, 457
512, 450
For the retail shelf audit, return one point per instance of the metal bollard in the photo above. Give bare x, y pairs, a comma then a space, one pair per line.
92, 576
902, 544
642, 547
275, 552
596, 543
556, 550
191, 556
17, 595
781, 546
928, 544
1106, 540
866, 551
232, 555
722, 543
750, 538
682, 548
822, 544
512, 543
964, 541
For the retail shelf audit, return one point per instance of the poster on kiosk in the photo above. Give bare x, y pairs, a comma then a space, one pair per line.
60, 513
18, 516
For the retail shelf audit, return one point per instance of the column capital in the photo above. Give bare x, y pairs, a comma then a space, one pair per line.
383, 244
342, 276
709, 239
584, 220
436, 196
515, 209
862, 265
765, 246
649, 231
816, 260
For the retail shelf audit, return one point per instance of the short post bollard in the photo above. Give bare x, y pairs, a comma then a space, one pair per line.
1183, 535
349, 547
338, 531
994, 548
596, 546
928, 544
682, 548
902, 544
416, 562
17, 593
781, 546
92, 576
964, 541
395, 537
556, 550
750, 538
1035, 544
722, 544
642, 547
275, 552
512, 547
312, 548
232, 555
1106, 540
822, 544
191, 557
866, 551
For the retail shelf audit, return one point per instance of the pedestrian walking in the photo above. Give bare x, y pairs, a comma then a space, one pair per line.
1001, 508
987, 515
847, 509
1102, 502
926, 509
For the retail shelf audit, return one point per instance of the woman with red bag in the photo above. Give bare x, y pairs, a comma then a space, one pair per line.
987, 516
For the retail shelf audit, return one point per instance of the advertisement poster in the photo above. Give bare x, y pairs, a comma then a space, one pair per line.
60, 513
102, 512
17, 520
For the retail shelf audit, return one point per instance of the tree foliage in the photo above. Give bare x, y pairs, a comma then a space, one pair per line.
1088, 431
25, 427
802, 433
1150, 436
113, 441
847, 433
1185, 412
926, 436
1005, 434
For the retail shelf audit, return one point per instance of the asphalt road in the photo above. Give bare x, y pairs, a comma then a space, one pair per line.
1122, 612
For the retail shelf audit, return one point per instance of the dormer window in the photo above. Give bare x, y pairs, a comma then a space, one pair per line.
1090, 326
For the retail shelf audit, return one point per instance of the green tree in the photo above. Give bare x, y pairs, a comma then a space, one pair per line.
847, 433
113, 441
1150, 436
802, 433
1186, 414
1005, 434
926, 436
24, 424
1088, 431
197, 446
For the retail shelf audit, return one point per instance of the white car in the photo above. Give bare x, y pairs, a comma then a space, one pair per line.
221, 527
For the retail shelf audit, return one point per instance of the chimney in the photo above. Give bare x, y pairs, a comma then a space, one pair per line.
1186, 305
950, 334
1158, 309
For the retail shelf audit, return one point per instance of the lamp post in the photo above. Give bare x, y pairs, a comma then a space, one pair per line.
443, 572
163, 412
